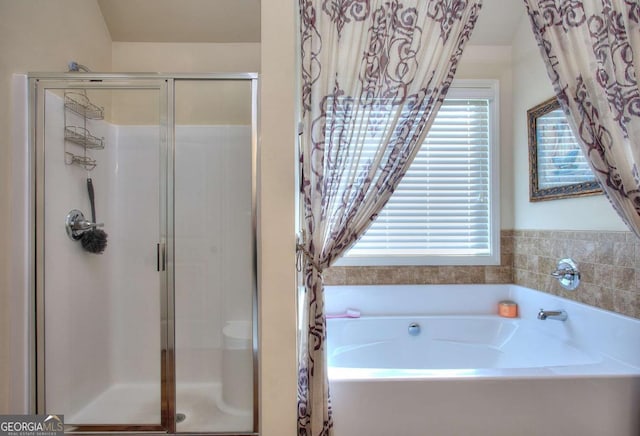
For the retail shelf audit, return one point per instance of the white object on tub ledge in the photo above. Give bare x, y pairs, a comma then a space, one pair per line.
469, 371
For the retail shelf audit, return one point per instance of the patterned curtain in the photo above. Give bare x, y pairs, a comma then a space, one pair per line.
592, 52
374, 74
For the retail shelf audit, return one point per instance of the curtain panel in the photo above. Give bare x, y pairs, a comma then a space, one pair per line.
591, 49
372, 70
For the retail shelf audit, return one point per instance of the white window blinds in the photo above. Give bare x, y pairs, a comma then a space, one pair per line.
441, 212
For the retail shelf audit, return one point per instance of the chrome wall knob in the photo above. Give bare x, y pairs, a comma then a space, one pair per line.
76, 224
567, 273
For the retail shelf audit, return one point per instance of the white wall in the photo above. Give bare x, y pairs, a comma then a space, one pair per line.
494, 62
43, 35
531, 86
185, 57
277, 191
34, 36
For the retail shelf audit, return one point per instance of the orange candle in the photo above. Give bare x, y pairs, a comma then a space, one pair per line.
508, 309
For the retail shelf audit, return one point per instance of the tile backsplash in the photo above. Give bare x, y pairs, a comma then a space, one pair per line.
609, 263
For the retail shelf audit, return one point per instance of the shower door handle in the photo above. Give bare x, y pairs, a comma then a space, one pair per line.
160, 257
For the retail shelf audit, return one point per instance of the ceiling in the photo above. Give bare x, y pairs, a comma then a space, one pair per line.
227, 21
220, 21
497, 22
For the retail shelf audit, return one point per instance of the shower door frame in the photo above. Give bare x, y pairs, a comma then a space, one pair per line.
165, 84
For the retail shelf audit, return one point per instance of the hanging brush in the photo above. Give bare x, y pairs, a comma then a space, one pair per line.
93, 240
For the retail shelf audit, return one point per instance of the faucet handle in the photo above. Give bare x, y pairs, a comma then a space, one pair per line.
567, 273
76, 224
560, 273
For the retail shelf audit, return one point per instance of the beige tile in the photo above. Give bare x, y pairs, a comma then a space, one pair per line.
609, 262
589, 293
446, 274
627, 303
559, 235
582, 251
582, 236
612, 236
383, 275
334, 276
546, 247
506, 259
601, 275
623, 254
498, 274
476, 274
604, 252
427, 274
558, 248
461, 275
361, 276
623, 278
546, 265
506, 245
624, 236
604, 298
520, 261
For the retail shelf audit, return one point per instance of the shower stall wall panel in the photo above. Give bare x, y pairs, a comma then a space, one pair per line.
78, 324
102, 311
212, 285
135, 192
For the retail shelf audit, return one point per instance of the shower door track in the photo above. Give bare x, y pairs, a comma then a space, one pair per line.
38, 82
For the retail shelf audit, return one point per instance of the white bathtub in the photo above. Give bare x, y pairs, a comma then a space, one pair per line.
470, 372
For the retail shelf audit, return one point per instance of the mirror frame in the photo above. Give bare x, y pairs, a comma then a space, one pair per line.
591, 187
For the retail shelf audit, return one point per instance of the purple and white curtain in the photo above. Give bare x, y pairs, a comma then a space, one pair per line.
592, 52
374, 74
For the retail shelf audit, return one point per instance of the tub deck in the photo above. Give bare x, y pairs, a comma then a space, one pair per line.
457, 346
470, 372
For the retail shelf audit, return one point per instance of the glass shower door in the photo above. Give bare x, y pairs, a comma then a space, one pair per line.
101, 297
215, 255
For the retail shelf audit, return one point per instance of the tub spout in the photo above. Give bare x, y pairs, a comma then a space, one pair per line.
559, 315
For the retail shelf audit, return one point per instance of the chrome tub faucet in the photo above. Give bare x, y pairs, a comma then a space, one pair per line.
559, 315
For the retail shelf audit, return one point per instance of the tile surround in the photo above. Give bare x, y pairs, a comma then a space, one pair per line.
609, 263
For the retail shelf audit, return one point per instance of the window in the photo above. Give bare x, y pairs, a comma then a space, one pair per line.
445, 210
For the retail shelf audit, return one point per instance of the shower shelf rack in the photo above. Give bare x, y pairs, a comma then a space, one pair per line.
81, 136
83, 161
79, 104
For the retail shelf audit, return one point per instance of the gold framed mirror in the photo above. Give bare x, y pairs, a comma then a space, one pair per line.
557, 166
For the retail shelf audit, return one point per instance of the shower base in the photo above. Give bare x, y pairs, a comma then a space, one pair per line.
206, 412
135, 403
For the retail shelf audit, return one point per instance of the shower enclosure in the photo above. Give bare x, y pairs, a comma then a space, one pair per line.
158, 333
